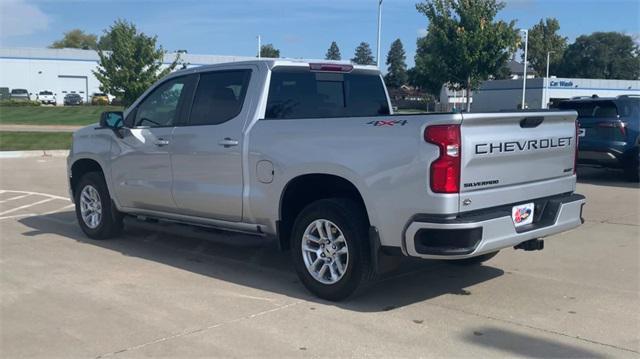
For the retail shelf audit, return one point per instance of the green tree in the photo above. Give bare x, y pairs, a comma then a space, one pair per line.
104, 42
363, 55
76, 39
333, 53
465, 44
269, 50
544, 38
429, 72
397, 66
602, 55
133, 64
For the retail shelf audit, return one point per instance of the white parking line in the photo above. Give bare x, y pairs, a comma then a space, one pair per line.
26, 206
58, 210
23, 194
19, 216
36, 194
15, 198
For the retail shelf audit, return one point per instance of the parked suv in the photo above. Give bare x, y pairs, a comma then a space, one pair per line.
312, 155
609, 132
72, 99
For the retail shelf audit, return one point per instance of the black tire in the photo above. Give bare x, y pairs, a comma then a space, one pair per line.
632, 173
351, 220
111, 221
474, 261
632, 166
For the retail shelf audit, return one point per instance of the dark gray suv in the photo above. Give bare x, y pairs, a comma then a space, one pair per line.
609, 132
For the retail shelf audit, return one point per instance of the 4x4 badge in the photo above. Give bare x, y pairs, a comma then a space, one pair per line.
387, 123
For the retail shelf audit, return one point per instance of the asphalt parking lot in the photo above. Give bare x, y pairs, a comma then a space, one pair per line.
176, 291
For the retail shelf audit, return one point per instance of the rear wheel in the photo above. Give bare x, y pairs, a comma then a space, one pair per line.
95, 211
474, 261
330, 248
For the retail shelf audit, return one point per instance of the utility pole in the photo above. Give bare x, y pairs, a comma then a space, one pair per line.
524, 72
379, 31
259, 46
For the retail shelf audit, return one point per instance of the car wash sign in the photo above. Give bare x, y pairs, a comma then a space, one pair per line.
560, 83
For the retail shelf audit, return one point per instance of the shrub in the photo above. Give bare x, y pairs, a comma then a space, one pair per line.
18, 103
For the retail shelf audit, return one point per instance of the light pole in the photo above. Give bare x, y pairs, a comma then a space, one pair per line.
524, 72
546, 83
548, 56
259, 46
379, 31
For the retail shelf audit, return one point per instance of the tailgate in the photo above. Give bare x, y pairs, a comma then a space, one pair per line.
512, 157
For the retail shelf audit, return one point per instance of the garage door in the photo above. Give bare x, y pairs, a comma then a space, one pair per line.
73, 84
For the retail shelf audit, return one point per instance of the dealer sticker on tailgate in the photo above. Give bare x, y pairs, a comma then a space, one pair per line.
522, 214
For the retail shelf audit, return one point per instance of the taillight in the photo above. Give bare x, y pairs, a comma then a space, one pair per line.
618, 124
445, 171
575, 157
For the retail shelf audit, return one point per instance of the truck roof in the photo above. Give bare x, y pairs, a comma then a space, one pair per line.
271, 63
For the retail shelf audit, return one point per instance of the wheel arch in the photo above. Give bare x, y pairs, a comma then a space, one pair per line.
80, 167
296, 194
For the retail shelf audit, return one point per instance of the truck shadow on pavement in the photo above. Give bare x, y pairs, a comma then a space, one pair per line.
604, 177
256, 262
519, 344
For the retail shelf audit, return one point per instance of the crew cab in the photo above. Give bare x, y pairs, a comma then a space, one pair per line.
310, 154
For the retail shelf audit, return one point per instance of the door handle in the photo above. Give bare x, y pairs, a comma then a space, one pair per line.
161, 142
228, 142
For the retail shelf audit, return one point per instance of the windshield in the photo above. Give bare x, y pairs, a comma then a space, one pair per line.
45, 93
18, 91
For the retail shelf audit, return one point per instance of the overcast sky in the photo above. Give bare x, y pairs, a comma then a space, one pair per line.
299, 28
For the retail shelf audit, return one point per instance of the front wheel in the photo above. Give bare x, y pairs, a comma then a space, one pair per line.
96, 214
330, 248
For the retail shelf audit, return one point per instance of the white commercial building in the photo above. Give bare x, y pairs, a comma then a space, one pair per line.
497, 95
64, 71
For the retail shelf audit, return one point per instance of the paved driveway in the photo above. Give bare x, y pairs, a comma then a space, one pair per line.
170, 290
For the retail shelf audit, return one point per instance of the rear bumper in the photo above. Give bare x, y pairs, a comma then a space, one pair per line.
489, 230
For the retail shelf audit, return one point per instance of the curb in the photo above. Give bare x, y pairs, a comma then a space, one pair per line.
38, 153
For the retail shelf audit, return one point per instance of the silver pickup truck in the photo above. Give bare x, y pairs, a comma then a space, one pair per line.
311, 154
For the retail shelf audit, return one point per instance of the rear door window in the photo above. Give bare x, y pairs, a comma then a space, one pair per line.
219, 97
298, 93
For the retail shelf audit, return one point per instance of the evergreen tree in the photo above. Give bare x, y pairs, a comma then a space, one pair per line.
333, 53
396, 66
363, 55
